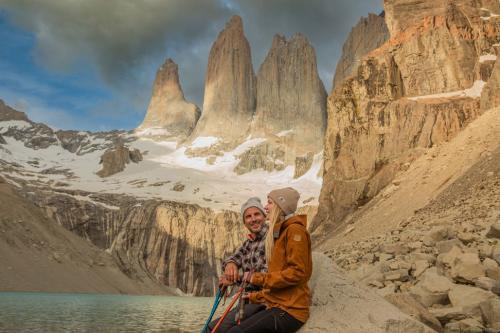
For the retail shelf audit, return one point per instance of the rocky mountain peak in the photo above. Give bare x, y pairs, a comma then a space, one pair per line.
278, 41
235, 24
169, 114
8, 113
229, 85
168, 79
368, 34
297, 40
290, 94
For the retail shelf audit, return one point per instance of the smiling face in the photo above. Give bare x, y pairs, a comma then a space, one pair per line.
254, 219
269, 206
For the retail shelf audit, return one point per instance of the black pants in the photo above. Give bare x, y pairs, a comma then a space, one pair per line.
229, 321
270, 320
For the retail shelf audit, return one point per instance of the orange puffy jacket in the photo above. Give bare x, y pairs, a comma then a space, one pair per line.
285, 284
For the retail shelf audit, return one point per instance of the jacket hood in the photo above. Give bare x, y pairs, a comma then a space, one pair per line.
299, 219
296, 219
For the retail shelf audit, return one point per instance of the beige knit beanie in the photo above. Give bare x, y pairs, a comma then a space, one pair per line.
286, 198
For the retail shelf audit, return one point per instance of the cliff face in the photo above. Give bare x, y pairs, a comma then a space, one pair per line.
175, 244
402, 14
374, 126
290, 94
229, 86
40, 255
490, 97
168, 109
291, 109
368, 34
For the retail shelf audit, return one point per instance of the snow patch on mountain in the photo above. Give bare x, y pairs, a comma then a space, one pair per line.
166, 173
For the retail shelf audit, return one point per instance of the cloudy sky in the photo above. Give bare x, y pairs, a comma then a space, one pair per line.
90, 64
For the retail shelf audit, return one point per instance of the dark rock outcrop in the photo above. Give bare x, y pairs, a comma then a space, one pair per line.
8, 113
266, 156
303, 164
115, 160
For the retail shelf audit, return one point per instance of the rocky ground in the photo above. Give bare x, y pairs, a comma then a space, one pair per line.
341, 305
440, 261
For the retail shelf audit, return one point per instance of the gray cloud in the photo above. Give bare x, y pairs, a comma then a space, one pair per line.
118, 36
125, 41
326, 24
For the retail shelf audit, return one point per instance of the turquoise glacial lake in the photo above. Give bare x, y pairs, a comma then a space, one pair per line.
53, 313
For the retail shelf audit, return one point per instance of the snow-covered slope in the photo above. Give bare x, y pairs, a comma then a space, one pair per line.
71, 160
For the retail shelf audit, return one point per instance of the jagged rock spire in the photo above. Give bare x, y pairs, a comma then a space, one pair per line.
168, 109
290, 94
229, 85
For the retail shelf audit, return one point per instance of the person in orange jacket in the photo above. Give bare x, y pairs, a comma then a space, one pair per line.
284, 286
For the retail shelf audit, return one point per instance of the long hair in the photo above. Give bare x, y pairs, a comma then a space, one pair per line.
276, 215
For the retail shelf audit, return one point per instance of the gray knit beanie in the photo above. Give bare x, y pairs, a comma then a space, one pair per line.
252, 202
286, 198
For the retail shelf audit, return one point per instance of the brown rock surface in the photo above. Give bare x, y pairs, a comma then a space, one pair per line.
409, 305
361, 146
490, 311
373, 130
168, 109
441, 59
469, 298
368, 34
290, 94
446, 192
303, 164
404, 14
490, 97
229, 86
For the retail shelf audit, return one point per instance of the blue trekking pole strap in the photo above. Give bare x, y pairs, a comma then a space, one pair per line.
218, 298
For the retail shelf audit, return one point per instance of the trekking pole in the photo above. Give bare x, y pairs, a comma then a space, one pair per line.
218, 298
241, 303
235, 298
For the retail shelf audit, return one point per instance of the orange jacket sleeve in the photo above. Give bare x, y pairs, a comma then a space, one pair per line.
298, 247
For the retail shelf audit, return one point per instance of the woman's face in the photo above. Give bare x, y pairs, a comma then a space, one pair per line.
269, 206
